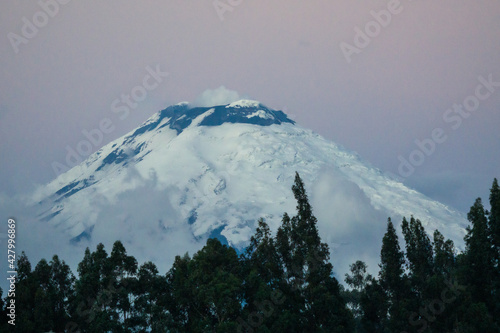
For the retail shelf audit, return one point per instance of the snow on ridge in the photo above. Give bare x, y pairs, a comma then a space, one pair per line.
261, 114
196, 121
244, 103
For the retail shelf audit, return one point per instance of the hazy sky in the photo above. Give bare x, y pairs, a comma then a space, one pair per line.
374, 92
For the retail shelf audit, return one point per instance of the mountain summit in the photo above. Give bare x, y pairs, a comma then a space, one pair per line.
213, 171
181, 116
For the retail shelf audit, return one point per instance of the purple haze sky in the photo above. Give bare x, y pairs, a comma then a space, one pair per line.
286, 54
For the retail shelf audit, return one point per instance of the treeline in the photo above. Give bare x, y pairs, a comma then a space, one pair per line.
281, 283
428, 287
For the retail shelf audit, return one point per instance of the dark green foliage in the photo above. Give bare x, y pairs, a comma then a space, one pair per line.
392, 261
479, 255
373, 305
151, 300
310, 286
357, 281
263, 282
123, 270
419, 257
42, 295
283, 283
494, 219
393, 280
444, 255
207, 290
94, 293
25, 295
418, 253
494, 224
438, 291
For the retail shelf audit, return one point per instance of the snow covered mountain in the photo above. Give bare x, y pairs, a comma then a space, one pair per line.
216, 170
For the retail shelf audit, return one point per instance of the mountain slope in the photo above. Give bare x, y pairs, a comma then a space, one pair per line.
221, 168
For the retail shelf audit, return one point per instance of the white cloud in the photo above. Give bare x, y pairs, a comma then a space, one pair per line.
347, 221
219, 96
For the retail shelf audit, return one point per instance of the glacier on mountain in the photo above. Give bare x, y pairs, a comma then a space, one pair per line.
215, 170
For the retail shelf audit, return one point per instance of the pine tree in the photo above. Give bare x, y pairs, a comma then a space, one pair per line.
494, 224
262, 255
374, 306
418, 253
291, 318
479, 258
476, 272
420, 266
25, 295
444, 255
494, 219
392, 279
444, 275
207, 292
62, 286
43, 294
43, 311
263, 281
94, 289
316, 293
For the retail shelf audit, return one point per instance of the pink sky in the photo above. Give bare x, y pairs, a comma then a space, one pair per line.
284, 53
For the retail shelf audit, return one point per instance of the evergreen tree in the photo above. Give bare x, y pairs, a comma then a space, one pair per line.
91, 304
494, 220
150, 309
25, 295
43, 311
263, 281
179, 284
42, 295
308, 270
374, 306
207, 292
475, 267
55, 283
443, 276
419, 255
444, 255
420, 266
494, 224
393, 281
479, 258
123, 269
291, 318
